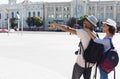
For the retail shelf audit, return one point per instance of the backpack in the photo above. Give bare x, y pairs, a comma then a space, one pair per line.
109, 60
93, 52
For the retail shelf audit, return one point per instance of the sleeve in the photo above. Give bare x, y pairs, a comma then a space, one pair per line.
98, 40
105, 42
80, 33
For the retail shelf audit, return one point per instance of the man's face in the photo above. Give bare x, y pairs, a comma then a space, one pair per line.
87, 24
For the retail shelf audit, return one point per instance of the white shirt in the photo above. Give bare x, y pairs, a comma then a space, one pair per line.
84, 38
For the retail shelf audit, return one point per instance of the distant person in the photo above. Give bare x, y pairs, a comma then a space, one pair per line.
79, 67
109, 27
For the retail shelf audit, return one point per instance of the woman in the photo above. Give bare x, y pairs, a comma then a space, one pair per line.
109, 28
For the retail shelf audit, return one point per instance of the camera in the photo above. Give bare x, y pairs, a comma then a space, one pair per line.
76, 52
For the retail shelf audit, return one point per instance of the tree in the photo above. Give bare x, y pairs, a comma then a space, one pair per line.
38, 21
71, 22
81, 20
34, 21
13, 22
30, 21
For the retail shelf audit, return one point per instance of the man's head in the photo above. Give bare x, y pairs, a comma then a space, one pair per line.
90, 22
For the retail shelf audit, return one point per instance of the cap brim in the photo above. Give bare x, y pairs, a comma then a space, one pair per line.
91, 22
104, 22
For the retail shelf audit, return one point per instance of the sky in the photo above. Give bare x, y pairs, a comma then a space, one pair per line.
6, 1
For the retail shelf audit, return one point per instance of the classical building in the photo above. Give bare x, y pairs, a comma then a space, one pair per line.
58, 12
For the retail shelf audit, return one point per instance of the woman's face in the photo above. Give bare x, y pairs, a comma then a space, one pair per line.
105, 28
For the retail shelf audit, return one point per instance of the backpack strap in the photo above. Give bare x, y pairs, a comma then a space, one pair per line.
82, 49
111, 44
94, 77
112, 47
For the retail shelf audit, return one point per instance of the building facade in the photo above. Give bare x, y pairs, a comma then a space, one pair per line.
58, 12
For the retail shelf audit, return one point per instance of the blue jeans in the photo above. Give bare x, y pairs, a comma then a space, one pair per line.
103, 75
78, 71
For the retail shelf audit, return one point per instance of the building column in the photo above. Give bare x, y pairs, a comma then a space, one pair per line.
114, 12
104, 13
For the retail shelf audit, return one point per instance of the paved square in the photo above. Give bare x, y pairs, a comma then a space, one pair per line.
41, 55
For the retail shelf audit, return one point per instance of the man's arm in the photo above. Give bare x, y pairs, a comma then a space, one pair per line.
64, 28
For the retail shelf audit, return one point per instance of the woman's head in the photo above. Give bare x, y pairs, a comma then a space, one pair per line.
109, 26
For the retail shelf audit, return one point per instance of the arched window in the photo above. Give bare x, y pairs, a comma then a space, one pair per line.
38, 13
29, 14
33, 14
0, 15
12, 14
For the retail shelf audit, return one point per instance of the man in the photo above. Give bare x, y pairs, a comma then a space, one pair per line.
79, 67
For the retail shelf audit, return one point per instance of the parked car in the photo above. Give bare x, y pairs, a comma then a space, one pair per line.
3, 30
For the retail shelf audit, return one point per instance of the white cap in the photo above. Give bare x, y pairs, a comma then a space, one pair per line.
92, 19
110, 22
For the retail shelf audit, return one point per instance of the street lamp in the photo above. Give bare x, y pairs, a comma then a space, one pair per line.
99, 22
18, 18
76, 14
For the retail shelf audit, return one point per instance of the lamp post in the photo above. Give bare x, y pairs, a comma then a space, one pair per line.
99, 22
22, 21
8, 20
76, 14
18, 19
44, 16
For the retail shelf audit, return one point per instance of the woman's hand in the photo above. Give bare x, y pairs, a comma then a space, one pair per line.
87, 30
91, 34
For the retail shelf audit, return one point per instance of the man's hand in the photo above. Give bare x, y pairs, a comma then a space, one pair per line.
52, 26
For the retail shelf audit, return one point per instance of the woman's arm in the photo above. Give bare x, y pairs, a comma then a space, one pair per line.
64, 28
92, 35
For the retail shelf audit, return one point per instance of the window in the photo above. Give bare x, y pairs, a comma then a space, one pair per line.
59, 9
50, 16
38, 13
33, 14
109, 15
12, 14
59, 16
0, 15
50, 9
118, 7
66, 16
29, 14
66, 8
109, 8
56, 8
101, 15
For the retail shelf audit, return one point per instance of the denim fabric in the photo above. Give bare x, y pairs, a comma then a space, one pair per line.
78, 71
103, 75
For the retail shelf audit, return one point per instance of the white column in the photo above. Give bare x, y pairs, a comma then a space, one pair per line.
62, 12
54, 13
114, 12
104, 12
